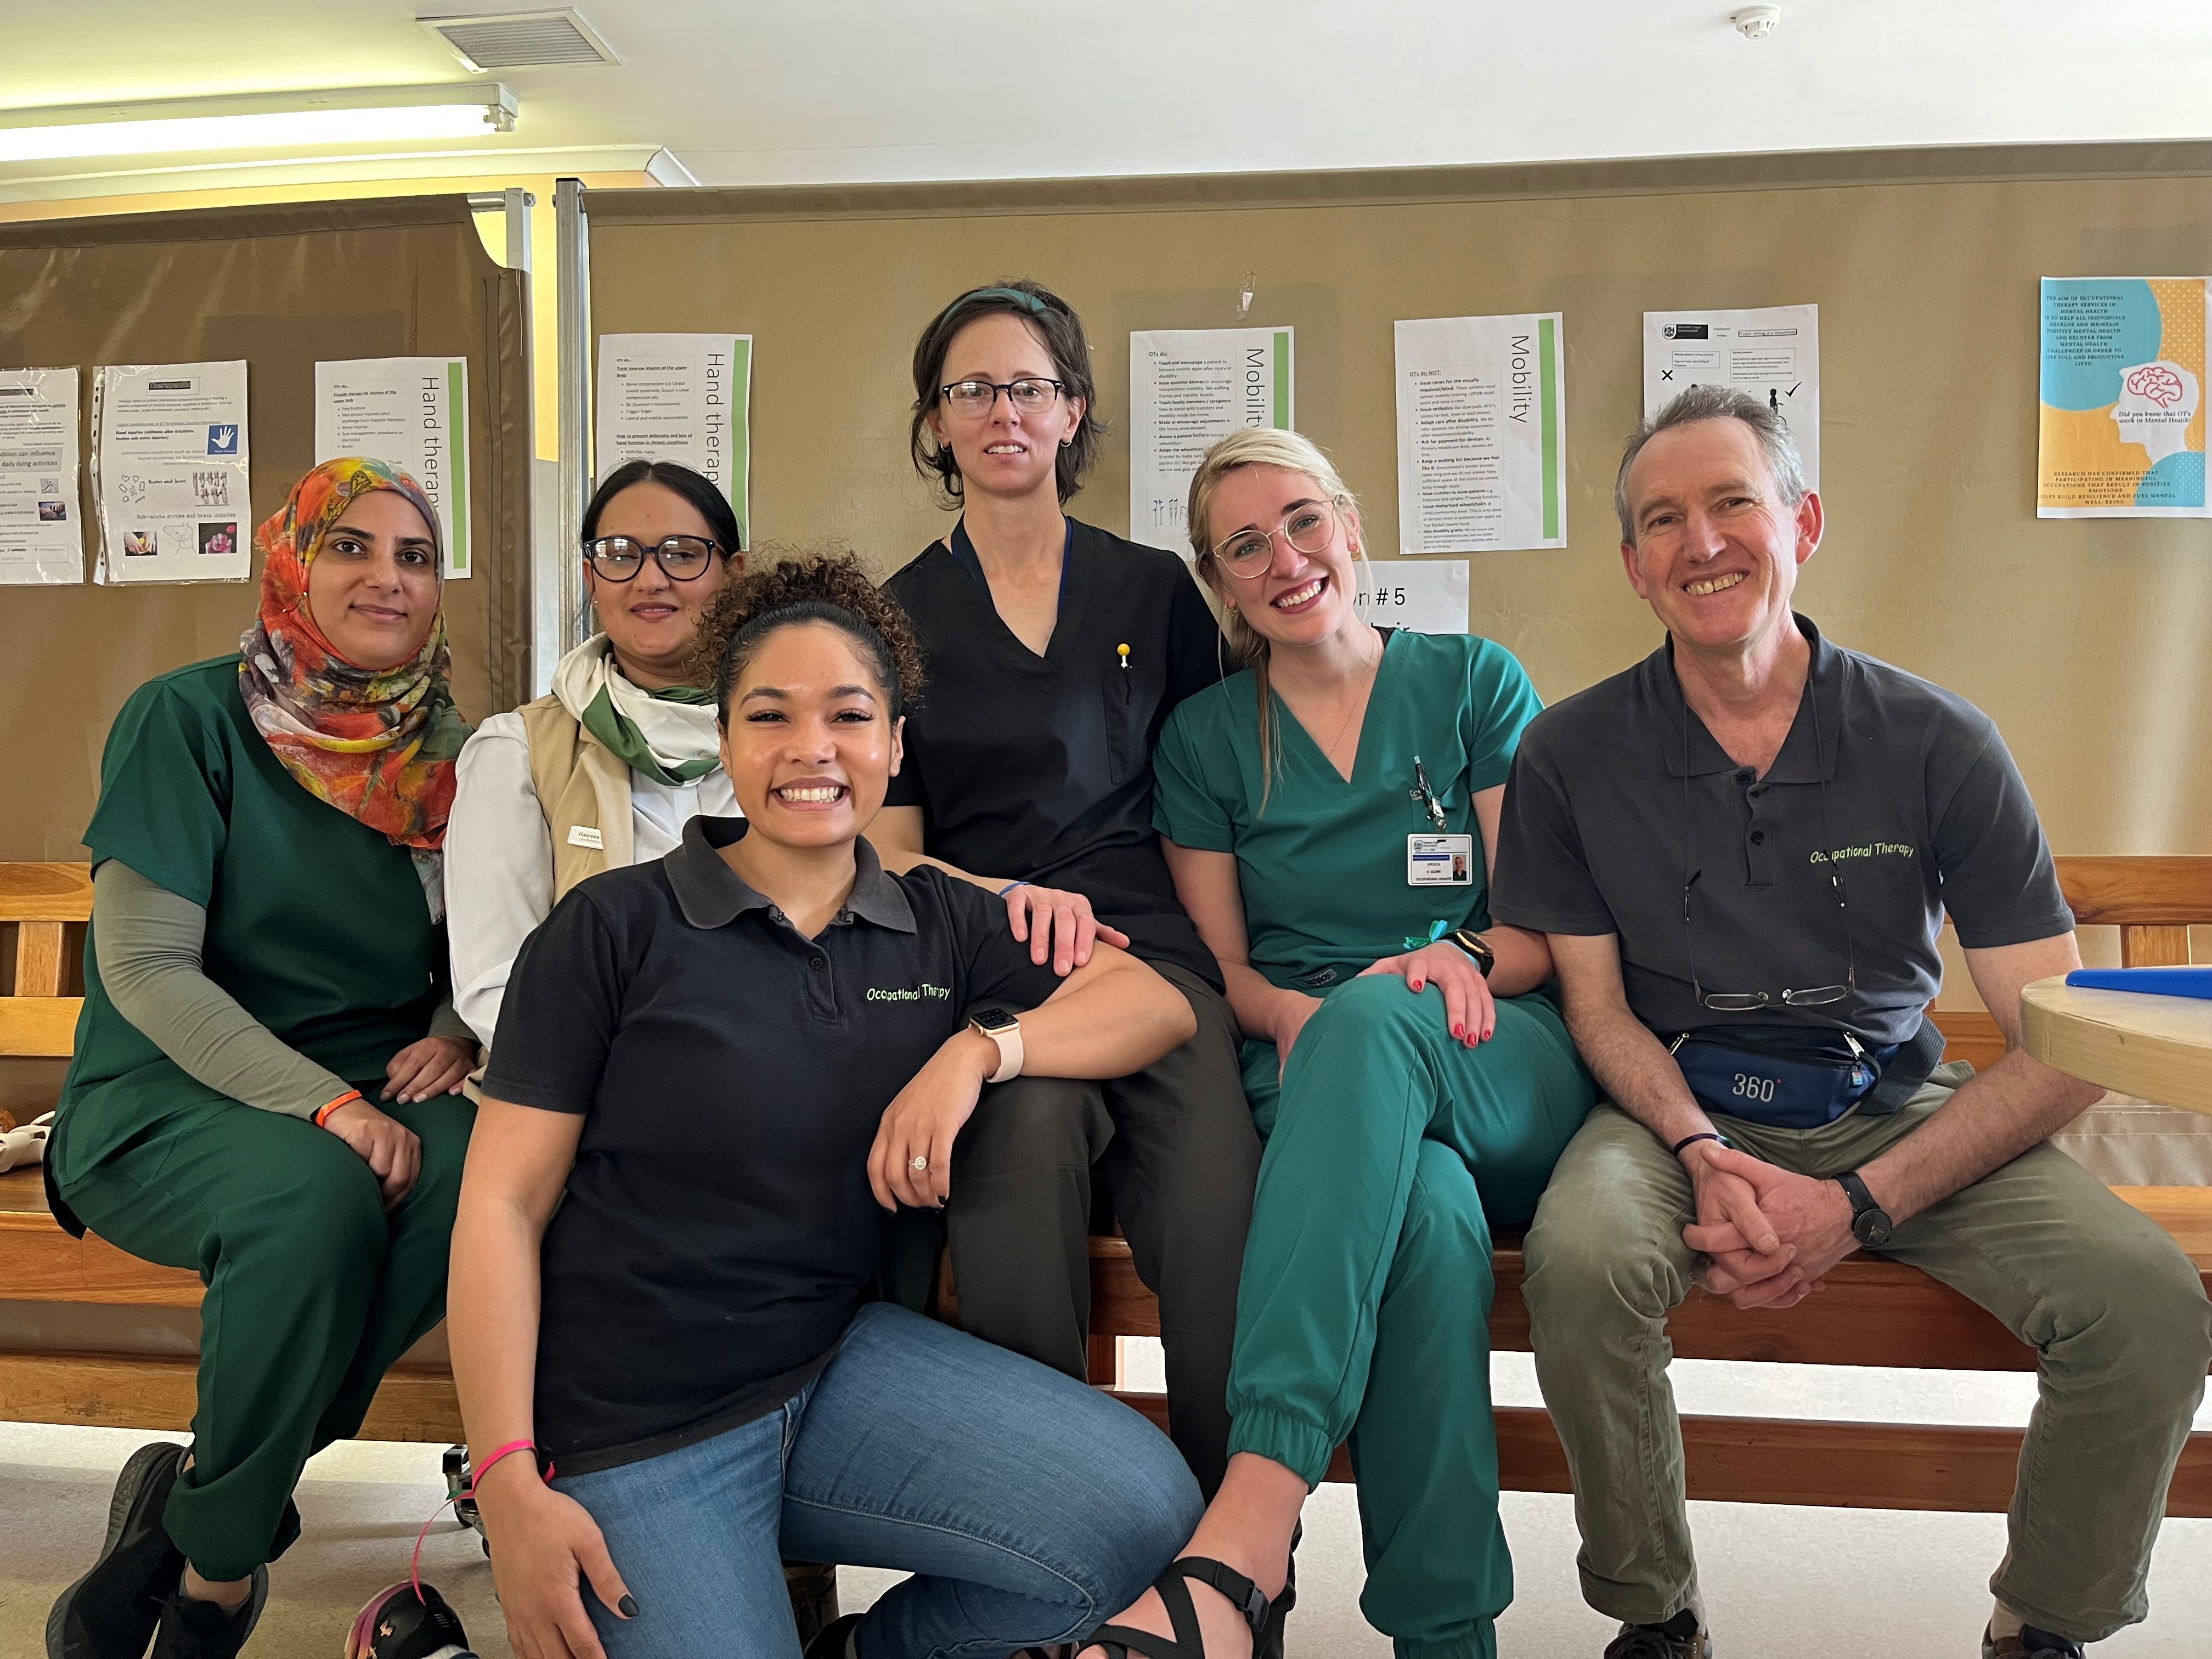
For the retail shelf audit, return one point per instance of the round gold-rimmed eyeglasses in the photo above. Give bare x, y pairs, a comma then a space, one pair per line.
1307, 528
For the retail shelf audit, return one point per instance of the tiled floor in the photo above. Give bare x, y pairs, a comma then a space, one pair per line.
1781, 1581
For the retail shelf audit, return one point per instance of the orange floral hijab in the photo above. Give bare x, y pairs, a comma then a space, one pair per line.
378, 744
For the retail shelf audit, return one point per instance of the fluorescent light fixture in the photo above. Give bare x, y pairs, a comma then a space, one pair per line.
367, 115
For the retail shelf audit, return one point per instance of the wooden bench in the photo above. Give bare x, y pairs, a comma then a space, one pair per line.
40, 1263
1874, 1313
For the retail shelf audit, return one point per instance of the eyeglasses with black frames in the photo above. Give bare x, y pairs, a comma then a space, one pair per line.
619, 558
973, 399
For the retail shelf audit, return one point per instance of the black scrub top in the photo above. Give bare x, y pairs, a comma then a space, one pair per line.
1042, 767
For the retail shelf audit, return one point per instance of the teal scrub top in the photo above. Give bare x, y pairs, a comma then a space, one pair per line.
317, 924
1323, 868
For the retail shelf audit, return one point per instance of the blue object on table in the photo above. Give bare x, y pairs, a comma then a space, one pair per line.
2157, 981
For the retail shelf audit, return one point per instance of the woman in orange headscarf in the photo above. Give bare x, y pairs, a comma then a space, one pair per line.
266, 1085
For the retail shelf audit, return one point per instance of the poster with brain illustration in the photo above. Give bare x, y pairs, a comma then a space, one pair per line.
2122, 425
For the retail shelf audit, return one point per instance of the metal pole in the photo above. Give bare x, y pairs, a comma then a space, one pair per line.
516, 205
573, 271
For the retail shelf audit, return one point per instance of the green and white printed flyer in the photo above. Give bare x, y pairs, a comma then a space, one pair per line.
1482, 423
414, 413
683, 397
1189, 387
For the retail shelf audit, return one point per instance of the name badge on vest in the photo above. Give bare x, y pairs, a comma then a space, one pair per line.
1440, 860
583, 834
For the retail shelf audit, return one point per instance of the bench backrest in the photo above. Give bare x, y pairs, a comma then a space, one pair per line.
40, 900
2154, 902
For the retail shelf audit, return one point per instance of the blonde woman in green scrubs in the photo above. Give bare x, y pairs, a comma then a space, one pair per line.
1328, 815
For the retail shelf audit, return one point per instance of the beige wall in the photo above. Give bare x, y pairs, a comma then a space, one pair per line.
2089, 641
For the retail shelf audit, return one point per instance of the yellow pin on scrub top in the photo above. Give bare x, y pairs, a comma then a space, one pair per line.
1124, 651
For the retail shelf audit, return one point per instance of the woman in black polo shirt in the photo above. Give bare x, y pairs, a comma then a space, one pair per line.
723, 1068
1056, 653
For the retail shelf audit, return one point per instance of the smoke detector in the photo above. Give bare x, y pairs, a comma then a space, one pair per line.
521, 39
1757, 23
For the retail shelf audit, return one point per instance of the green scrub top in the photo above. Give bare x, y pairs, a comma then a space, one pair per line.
317, 924
1323, 868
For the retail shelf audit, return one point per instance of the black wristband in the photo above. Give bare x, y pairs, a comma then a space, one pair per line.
1476, 946
1691, 1141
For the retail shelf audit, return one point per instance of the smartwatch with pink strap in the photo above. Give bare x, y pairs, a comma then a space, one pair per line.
1004, 1030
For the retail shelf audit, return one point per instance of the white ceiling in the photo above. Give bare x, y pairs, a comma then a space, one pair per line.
792, 91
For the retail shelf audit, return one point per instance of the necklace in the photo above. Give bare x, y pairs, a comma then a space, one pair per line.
1359, 697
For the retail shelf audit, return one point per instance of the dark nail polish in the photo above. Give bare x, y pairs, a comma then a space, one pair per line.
627, 1605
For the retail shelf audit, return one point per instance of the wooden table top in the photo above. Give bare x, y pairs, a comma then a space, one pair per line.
2156, 1048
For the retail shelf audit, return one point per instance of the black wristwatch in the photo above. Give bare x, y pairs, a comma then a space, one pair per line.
1870, 1222
1476, 946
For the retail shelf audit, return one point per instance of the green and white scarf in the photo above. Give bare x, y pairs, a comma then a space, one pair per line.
668, 734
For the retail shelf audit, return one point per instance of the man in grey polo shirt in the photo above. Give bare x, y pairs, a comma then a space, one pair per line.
1742, 849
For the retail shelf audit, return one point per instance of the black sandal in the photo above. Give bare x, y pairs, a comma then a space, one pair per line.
1119, 1641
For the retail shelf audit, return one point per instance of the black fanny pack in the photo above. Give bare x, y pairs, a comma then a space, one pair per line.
1794, 1078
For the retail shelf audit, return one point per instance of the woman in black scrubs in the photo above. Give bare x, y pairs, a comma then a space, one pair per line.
1055, 652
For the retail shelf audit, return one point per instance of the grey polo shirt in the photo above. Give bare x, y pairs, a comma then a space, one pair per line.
1620, 801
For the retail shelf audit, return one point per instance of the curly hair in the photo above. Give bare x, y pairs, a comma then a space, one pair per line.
789, 589
1061, 331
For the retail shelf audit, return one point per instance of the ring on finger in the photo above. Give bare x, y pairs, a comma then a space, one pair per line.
917, 1164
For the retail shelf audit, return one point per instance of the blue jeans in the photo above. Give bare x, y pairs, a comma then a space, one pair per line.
1029, 1507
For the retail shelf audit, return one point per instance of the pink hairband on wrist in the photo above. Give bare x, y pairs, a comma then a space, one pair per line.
475, 1479
477, 1474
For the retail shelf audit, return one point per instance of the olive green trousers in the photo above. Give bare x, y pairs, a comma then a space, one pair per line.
2107, 1298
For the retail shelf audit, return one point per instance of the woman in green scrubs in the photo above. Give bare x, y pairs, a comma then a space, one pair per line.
267, 1075
1328, 815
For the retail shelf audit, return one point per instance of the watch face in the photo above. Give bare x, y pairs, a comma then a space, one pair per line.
995, 1019
1871, 1228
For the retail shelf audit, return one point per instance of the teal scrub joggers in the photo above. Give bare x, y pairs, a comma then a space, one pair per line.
1365, 1303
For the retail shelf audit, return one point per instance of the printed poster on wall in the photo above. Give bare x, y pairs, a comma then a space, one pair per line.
1772, 353
41, 536
170, 473
1482, 421
414, 413
1426, 598
2122, 399
683, 397
1188, 388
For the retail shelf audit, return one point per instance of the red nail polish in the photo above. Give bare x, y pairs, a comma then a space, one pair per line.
1459, 1030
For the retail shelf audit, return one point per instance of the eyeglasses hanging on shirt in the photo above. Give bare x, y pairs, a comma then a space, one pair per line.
1745, 1001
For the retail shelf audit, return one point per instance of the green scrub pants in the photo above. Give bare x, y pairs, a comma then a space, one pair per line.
313, 1289
1365, 1310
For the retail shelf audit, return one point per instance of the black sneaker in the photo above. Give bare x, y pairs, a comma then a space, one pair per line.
401, 1624
2030, 1644
191, 1629
111, 1611
1680, 1638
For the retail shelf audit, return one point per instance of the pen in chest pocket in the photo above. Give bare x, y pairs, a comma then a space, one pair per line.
1421, 793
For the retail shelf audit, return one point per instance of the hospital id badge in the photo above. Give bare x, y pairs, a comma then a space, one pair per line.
1440, 860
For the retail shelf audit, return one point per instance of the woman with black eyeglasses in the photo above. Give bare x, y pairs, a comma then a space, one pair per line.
607, 769
1056, 652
